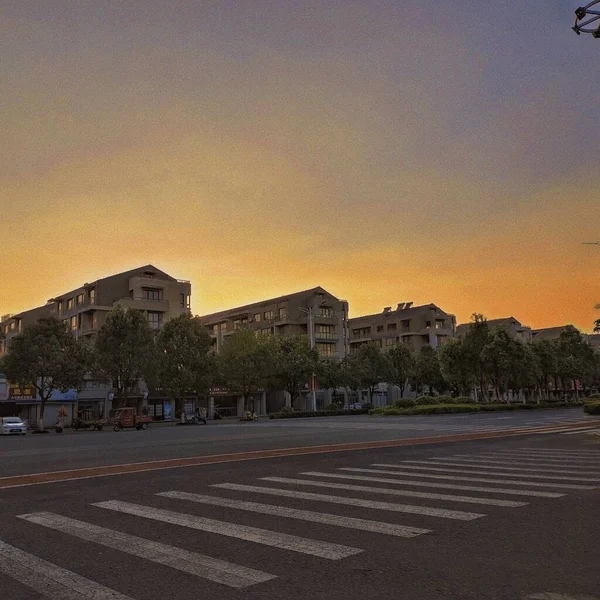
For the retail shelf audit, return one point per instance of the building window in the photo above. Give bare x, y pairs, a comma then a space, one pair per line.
59, 307
391, 327
266, 331
223, 326
237, 324
257, 318
94, 321
269, 315
69, 303
215, 329
92, 296
325, 349
427, 323
325, 332
406, 325
79, 299
152, 294
154, 320
283, 313
362, 332
379, 328
12, 326
66, 323
245, 321
182, 300
73, 323
326, 311
390, 341
440, 324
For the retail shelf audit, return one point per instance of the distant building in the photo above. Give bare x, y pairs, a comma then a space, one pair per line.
512, 326
83, 311
407, 324
548, 333
292, 314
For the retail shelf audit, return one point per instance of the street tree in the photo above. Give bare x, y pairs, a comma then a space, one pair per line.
546, 352
185, 363
402, 366
456, 366
498, 357
478, 335
294, 362
245, 364
125, 350
47, 357
372, 367
427, 369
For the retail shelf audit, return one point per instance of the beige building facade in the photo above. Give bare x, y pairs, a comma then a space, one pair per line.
84, 310
416, 326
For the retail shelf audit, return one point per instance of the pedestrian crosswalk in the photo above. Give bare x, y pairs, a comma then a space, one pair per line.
400, 499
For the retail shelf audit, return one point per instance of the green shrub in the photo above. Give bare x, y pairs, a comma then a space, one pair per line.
440, 409
463, 400
445, 400
426, 401
591, 408
368, 406
333, 407
404, 403
299, 414
593, 397
495, 407
286, 409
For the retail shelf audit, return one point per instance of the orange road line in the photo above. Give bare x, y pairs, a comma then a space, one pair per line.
194, 461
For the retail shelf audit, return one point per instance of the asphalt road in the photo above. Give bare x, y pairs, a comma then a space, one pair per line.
70, 450
503, 519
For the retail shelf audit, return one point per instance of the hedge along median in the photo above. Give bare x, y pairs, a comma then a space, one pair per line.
439, 409
299, 414
592, 408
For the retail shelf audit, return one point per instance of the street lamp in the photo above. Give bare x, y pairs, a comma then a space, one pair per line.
582, 21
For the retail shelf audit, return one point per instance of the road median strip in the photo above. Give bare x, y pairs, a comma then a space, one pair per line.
194, 461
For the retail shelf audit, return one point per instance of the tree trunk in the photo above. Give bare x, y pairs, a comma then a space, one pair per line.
40, 423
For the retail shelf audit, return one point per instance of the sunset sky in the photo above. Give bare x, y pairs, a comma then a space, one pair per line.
386, 150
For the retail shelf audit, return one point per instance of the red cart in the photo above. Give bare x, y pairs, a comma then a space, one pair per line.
124, 418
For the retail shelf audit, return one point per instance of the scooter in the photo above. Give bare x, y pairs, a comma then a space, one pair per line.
58, 428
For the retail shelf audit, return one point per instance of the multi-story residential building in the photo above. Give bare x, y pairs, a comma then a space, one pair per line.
548, 333
512, 326
293, 314
407, 324
84, 309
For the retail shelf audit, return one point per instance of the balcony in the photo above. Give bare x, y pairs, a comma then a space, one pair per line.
326, 336
140, 303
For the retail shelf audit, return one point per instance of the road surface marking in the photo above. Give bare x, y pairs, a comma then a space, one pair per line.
390, 492
481, 479
528, 464
553, 596
572, 460
494, 467
304, 515
49, 579
229, 574
443, 486
242, 532
371, 504
594, 430
470, 471
14, 481
559, 450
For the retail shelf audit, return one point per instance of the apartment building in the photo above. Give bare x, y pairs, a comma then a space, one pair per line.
407, 324
84, 310
314, 310
293, 314
512, 326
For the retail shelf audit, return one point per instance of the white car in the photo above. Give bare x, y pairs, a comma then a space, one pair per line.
12, 425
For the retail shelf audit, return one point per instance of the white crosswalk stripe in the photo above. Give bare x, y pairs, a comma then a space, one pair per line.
473, 471
553, 460
206, 567
372, 504
242, 532
390, 492
495, 467
443, 486
304, 515
557, 451
501, 465
49, 579
556, 484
